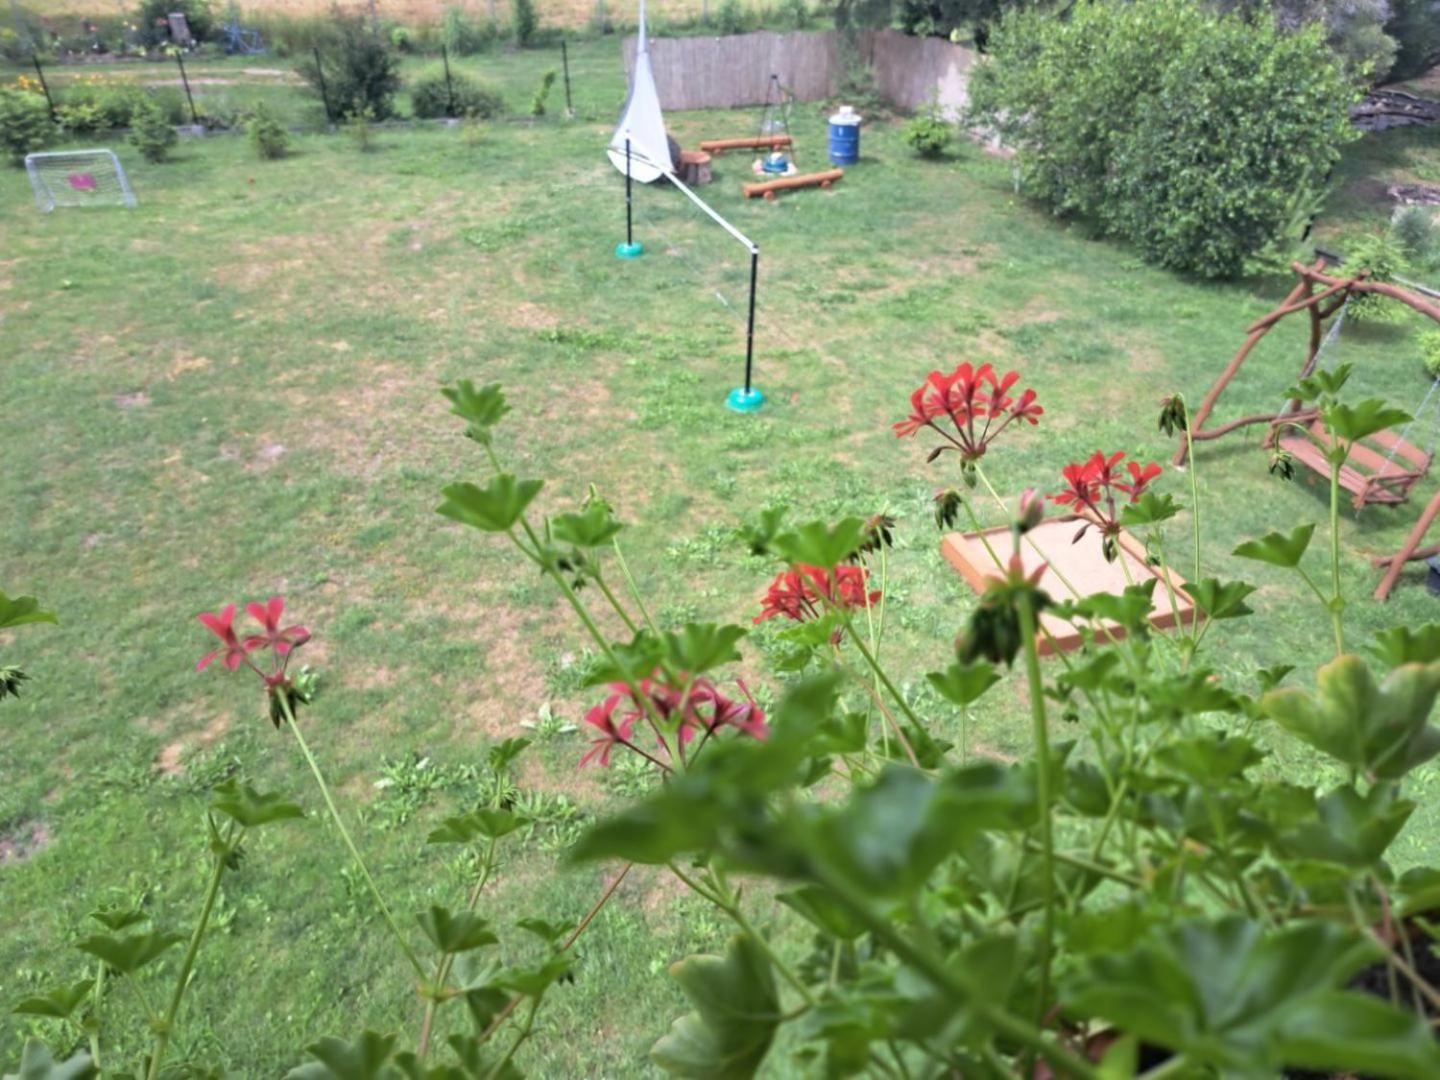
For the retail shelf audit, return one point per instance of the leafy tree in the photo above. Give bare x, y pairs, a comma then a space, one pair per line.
1415, 26
1182, 129
525, 20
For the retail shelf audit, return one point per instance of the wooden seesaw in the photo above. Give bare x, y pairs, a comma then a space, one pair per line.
768, 188
754, 142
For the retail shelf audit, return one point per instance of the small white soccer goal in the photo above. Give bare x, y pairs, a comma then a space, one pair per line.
78, 178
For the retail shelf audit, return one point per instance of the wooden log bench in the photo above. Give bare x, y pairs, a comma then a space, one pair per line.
754, 142
769, 188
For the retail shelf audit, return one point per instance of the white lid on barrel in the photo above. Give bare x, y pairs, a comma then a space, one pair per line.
846, 115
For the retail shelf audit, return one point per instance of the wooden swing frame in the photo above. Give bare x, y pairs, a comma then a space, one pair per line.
1381, 472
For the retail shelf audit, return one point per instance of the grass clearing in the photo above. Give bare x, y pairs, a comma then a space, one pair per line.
231, 391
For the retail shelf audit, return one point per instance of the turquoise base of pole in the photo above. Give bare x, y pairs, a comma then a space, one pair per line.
629, 251
742, 400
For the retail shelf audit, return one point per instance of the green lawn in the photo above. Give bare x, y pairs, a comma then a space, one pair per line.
231, 391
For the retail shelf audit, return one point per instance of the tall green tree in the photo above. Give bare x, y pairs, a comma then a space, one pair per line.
1187, 131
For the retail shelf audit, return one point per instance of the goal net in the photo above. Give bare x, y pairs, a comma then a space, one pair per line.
78, 178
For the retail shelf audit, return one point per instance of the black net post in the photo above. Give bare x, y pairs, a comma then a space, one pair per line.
565, 65
324, 91
750, 321
629, 238
185, 82
449, 87
45, 86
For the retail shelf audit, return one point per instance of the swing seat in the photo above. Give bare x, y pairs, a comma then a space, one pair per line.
1380, 470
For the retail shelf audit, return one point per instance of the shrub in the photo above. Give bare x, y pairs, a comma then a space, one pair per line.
1414, 229
542, 92
797, 13
430, 97
730, 19
25, 124
357, 128
1415, 26
151, 133
358, 71
1383, 256
525, 21
1181, 129
266, 133
1430, 352
401, 39
462, 35
928, 133
151, 19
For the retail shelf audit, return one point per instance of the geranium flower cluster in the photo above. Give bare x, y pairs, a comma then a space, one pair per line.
978, 405
806, 592
235, 651
686, 706
1097, 488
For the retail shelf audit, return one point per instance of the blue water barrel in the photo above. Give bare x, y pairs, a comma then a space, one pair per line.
845, 136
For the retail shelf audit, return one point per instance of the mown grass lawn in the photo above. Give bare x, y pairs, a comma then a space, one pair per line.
231, 391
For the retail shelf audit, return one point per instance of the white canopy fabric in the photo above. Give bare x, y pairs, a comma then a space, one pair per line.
642, 120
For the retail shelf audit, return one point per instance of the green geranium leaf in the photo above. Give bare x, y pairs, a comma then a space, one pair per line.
503, 754
638, 657
19, 610
1150, 509
1354, 1033
1354, 422
250, 807
737, 1011
129, 954
1222, 992
1213, 758
493, 508
1131, 609
964, 684
1406, 645
489, 824
1279, 549
1220, 599
821, 908
58, 1002
534, 981
455, 933
118, 918
1349, 828
37, 1064
761, 535
482, 408
700, 647
546, 931
336, 1059
1382, 729
592, 527
818, 544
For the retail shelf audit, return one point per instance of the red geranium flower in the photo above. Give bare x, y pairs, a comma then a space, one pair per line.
975, 401
801, 594
268, 616
685, 707
231, 649
1092, 487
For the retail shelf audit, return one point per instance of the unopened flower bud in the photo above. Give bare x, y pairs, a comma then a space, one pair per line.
1032, 509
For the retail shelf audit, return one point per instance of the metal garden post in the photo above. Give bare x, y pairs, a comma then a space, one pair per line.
629, 249
565, 64
45, 86
185, 81
449, 88
324, 91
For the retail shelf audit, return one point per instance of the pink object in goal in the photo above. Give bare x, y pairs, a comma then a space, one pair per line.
82, 181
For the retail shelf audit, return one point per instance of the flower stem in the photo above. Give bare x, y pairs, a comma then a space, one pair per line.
1042, 795
349, 843
524, 1034
167, 1024
442, 967
98, 995
1337, 601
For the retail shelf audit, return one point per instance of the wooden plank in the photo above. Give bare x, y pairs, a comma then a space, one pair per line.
768, 188
1081, 564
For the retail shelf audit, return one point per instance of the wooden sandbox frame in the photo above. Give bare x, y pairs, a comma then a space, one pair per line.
1083, 566
769, 188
